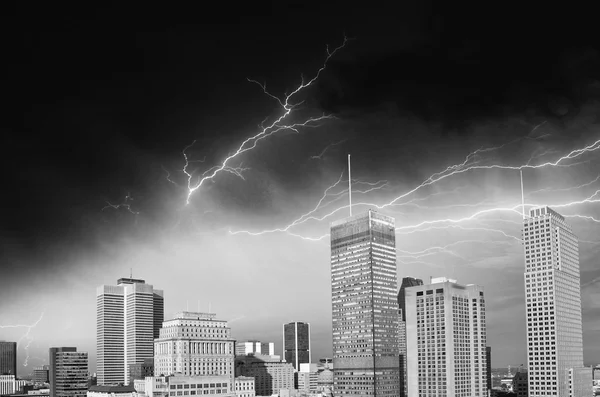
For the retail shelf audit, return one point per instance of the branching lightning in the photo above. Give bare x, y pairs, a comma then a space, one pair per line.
320, 155
280, 124
25, 336
125, 204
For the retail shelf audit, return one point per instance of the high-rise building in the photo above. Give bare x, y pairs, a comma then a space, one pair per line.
406, 282
446, 337
8, 358
41, 374
296, 344
195, 344
129, 317
364, 306
553, 298
68, 372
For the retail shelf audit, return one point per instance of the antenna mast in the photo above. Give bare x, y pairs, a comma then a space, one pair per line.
349, 187
522, 195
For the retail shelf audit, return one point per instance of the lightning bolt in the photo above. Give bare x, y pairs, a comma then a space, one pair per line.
320, 155
125, 204
25, 335
566, 189
280, 124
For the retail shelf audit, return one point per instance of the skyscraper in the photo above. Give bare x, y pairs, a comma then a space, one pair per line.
296, 344
195, 344
8, 358
406, 282
68, 372
446, 336
129, 317
553, 297
364, 306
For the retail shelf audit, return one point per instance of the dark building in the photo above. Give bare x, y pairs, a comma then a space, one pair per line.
520, 383
68, 372
488, 362
141, 370
296, 344
8, 358
406, 282
41, 374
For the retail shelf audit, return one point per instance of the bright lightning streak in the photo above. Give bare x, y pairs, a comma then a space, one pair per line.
320, 155
25, 336
566, 189
276, 126
124, 204
483, 229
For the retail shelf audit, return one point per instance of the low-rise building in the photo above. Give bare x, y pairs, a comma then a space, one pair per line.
271, 375
244, 386
111, 391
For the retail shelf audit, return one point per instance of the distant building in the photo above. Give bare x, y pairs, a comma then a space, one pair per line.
68, 372
296, 343
244, 386
195, 344
519, 384
254, 347
271, 375
194, 385
406, 282
8, 358
364, 306
446, 339
140, 371
325, 381
553, 299
10, 385
307, 378
325, 363
129, 316
41, 374
112, 391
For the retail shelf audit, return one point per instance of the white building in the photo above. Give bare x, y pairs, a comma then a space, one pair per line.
197, 385
254, 347
308, 378
195, 344
244, 386
446, 338
10, 385
129, 316
553, 297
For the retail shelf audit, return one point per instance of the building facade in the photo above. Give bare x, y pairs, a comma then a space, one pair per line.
254, 347
553, 298
488, 365
271, 376
519, 384
364, 306
140, 371
8, 358
406, 282
195, 385
244, 386
296, 344
446, 340
41, 374
129, 316
9, 384
68, 372
112, 391
194, 344
308, 378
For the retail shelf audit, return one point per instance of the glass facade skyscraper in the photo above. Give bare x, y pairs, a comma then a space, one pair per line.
364, 306
296, 344
553, 298
406, 282
8, 358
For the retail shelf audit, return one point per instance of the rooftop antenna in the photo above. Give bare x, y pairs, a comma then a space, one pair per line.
349, 187
522, 195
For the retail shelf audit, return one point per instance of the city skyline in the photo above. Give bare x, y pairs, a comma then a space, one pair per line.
436, 113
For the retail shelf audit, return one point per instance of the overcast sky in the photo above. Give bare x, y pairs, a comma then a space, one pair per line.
99, 106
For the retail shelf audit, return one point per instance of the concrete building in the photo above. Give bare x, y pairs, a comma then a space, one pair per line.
244, 386
41, 374
519, 383
112, 391
8, 358
194, 385
155, 386
406, 282
129, 316
271, 375
68, 372
308, 378
140, 371
325, 381
254, 347
296, 344
9, 384
194, 344
553, 299
446, 339
364, 306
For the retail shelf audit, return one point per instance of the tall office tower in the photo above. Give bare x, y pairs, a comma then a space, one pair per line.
553, 295
68, 372
41, 374
195, 344
8, 358
406, 282
296, 344
446, 335
364, 306
129, 316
